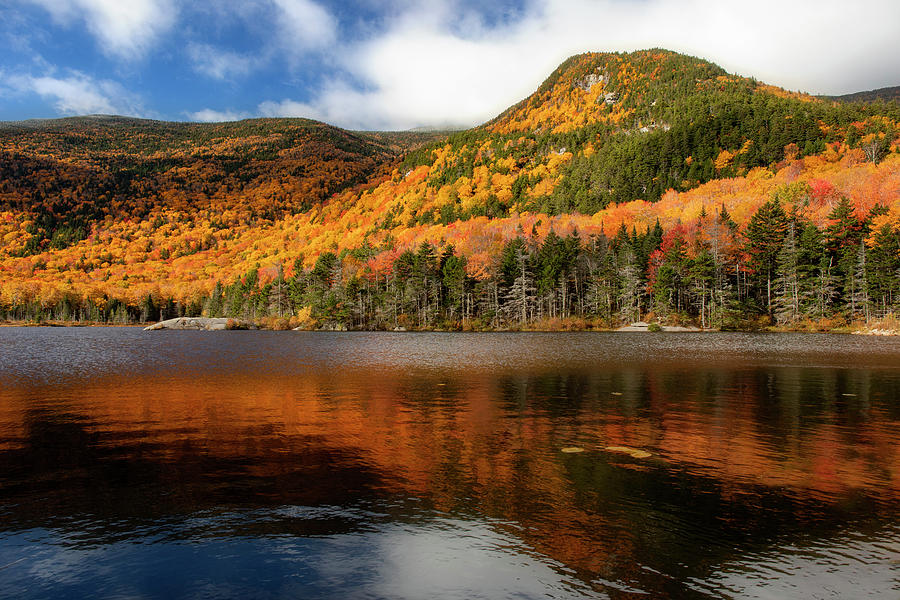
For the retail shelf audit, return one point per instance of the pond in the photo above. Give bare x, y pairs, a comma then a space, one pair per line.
435, 465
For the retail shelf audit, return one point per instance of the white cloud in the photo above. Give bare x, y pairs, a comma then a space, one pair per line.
217, 63
124, 28
208, 115
289, 108
79, 94
305, 25
290, 29
436, 62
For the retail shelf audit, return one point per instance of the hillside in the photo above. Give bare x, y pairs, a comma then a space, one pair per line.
566, 205
610, 128
71, 173
888, 94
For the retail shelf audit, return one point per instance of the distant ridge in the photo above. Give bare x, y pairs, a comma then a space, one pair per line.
890, 94
73, 121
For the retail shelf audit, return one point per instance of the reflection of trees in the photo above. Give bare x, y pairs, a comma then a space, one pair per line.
71, 467
742, 456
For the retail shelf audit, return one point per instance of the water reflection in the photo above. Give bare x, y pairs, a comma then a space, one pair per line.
332, 466
438, 558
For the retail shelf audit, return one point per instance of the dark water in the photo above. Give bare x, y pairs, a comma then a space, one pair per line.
316, 465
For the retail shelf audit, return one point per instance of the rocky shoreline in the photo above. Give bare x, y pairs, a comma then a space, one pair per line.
200, 324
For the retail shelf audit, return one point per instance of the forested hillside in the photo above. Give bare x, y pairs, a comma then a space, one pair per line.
628, 184
68, 174
887, 94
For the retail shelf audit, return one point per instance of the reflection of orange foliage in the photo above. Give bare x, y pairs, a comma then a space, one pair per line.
444, 438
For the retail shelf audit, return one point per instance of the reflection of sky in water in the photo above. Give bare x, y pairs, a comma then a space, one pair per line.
435, 558
849, 566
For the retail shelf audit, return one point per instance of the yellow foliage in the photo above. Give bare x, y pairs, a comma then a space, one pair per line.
723, 160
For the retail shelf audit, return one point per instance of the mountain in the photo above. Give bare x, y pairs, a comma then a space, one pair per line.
888, 94
610, 128
72, 173
614, 150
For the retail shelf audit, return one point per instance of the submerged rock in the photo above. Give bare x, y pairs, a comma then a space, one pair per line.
200, 324
632, 452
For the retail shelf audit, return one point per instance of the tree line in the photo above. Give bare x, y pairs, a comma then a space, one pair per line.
779, 269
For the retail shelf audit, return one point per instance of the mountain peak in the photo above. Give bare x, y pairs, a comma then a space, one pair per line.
603, 87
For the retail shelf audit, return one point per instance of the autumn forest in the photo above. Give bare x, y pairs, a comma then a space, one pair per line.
643, 186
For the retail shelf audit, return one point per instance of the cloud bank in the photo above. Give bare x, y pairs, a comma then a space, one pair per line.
208, 115
79, 94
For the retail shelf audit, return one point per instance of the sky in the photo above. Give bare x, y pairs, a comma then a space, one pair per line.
398, 64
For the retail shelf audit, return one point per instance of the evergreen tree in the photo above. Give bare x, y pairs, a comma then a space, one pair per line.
824, 289
453, 273
520, 299
550, 264
216, 303
842, 239
631, 288
670, 280
787, 283
883, 266
702, 277
765, 234
858, 288
279, 300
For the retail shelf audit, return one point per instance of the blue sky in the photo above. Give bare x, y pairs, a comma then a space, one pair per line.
396, 64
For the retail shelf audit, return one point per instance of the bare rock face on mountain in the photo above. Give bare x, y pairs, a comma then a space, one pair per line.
589, 81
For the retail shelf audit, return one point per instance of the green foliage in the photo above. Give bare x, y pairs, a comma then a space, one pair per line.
765, 233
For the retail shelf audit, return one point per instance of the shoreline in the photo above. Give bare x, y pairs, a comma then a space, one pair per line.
875, 330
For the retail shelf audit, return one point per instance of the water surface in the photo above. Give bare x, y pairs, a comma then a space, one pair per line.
389, 465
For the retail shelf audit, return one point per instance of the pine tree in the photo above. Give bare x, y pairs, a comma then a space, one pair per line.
883, 264
279, 300
216, 302
765, 233
787, 283
824, 289
702, 279
520, 299
842, 239
453, 272
858, 289
631, 288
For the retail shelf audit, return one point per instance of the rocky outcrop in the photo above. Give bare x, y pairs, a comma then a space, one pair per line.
638, 326
589, 81
200, 324
876, 332
642, 326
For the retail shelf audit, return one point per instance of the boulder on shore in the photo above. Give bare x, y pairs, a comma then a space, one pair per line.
642, 326
637, 326
199, 324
